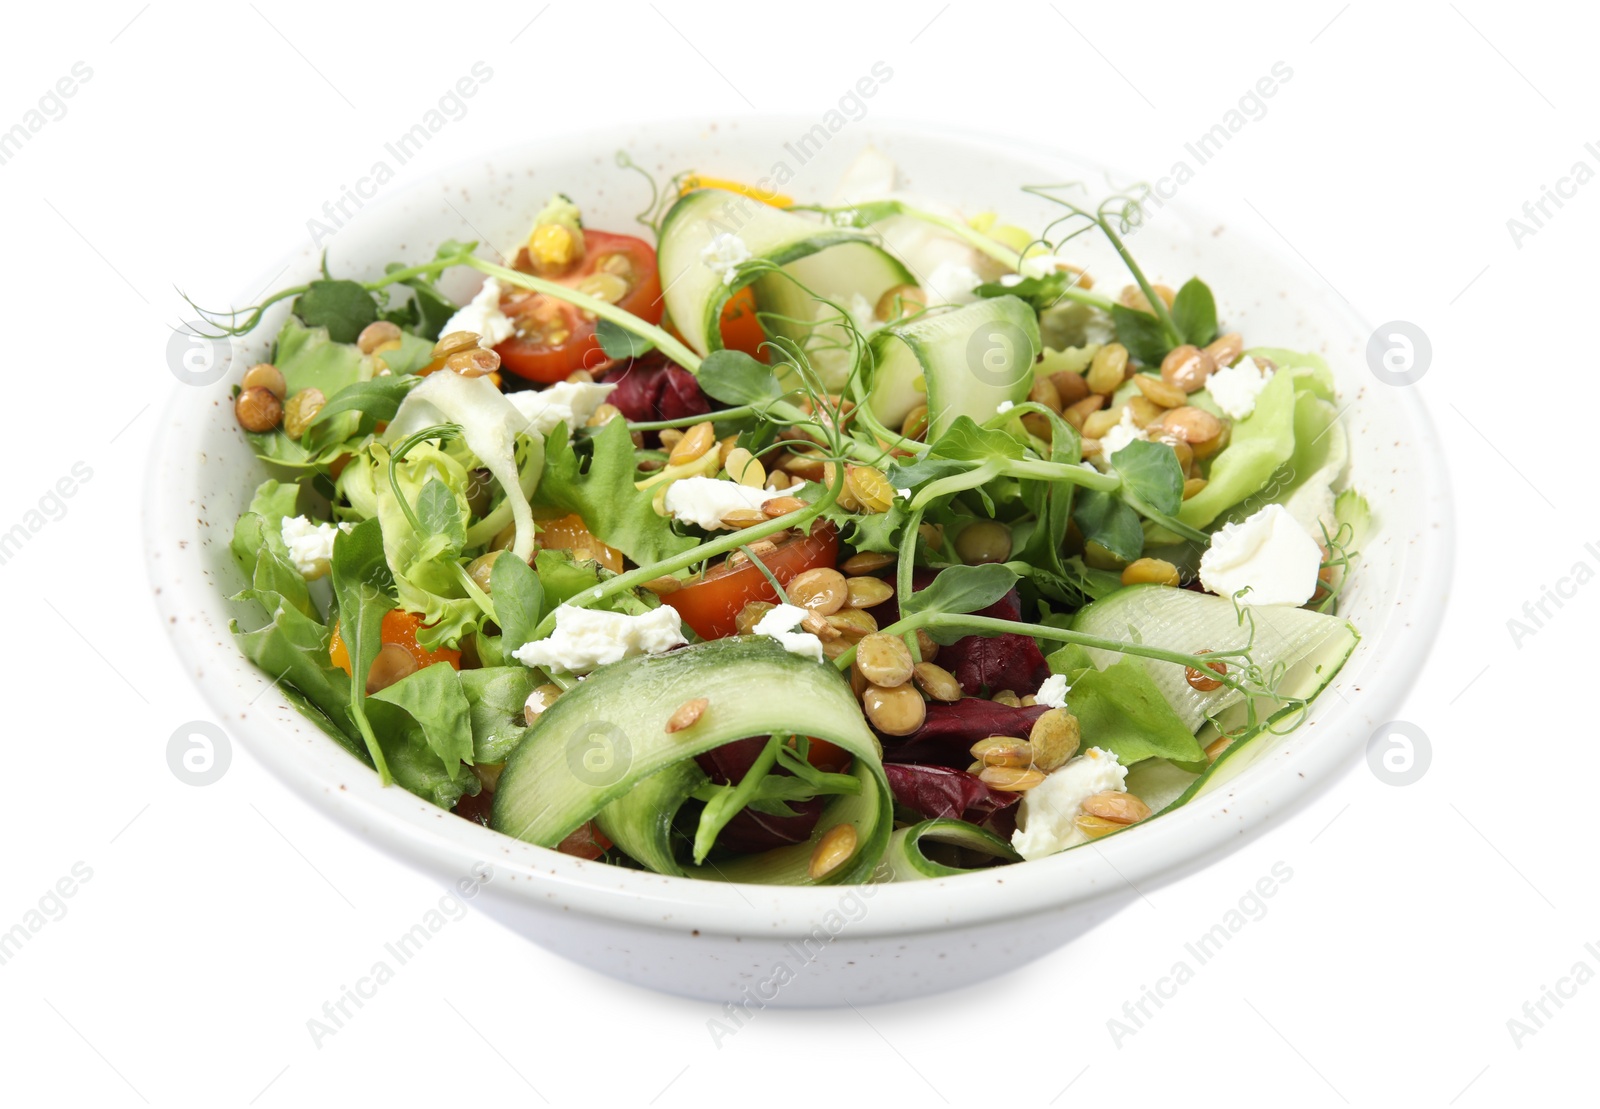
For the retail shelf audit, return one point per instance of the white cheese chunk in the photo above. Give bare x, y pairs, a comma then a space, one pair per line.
1098, 328
780, 624
569, 402
1047, 818
724, 254
1125, 431
1269, 554
1236, 387
952, 283
1053, 692
586, 638
482, 316
310, 545
704, 501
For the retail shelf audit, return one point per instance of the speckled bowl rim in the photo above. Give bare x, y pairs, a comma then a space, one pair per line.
1302, 764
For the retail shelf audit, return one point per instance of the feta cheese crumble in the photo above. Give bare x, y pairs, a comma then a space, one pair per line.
1041, 265
482, 316
1236, 387
1003, 407
1053, 692
905, 494
863, 313
586, 638
704, 501
724, 254
568, 402
1047, 819
780, 624
1121, 434
311, 545
952, 283
1098, 328
1268, 553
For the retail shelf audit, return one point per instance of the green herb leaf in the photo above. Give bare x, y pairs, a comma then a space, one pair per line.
1106, 519
1051, 503
1151, 472
619, 342
343, 307
518, 601
1194, 311
966, 441
925, 469
440, 514
1141, 333
1041, 293
734, 377
962, 589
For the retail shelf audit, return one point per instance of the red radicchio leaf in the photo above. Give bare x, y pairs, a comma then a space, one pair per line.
653, 389
937, 791
750, 832
995, 662
949, 731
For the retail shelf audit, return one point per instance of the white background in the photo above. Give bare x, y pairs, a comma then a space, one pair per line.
218, 920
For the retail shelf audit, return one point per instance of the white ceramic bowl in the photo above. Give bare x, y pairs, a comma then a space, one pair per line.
786, 946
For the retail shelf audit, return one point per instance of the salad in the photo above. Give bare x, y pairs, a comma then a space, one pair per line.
793, 543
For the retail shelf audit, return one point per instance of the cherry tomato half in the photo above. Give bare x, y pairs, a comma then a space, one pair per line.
400, 628
553, 339
570, 533
741, 329
711, 603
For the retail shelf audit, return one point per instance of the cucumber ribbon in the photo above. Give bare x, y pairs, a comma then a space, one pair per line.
602, 752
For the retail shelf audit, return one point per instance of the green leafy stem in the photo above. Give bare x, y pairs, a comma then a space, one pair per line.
956, 624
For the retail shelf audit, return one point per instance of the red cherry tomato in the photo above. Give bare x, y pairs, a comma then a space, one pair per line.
553, 339
711, 603
741, 329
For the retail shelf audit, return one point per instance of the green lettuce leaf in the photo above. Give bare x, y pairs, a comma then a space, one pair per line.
257, 547
496, 696
424, 564
433, 697
563, 578
603, 494
1261, 443
274, 500
365, 591
292, 648
309, 358
1120, 710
